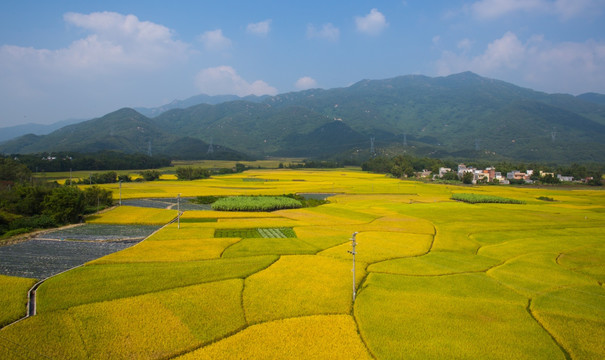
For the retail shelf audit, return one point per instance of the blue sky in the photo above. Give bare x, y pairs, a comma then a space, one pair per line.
83, 59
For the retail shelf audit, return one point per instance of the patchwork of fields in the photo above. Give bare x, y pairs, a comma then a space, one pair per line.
436, 278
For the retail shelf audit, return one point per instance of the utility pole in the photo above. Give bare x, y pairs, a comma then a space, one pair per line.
178, 210
210, 147
120, 193
353, 243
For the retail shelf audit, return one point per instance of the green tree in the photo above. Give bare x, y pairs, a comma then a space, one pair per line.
11, 170
191, 173
64, 204
95, 196
108, 177
467, 177
150, 175
450, 175
396, 171
124, 178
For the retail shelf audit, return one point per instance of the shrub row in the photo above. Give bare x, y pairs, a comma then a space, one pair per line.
477, 198
255, 203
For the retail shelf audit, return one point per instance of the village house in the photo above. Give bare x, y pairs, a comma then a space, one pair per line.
564, 178
443, 171
517, 175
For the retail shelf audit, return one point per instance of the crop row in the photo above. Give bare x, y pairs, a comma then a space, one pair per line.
255, 233
477, 198
255, 203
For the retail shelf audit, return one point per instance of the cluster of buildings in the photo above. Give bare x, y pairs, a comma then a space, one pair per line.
491, 175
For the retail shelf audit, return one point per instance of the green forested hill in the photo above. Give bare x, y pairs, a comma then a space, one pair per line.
124, 130
449, 116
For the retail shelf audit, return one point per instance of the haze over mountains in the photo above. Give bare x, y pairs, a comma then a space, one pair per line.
462, 115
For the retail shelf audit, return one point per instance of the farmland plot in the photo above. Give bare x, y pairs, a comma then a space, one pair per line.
435, 278
40, 259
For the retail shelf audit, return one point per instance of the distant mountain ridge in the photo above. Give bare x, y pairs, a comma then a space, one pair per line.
12, 132
462, 115
196, 100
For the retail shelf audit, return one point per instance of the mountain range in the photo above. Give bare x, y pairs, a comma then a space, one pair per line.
463, 116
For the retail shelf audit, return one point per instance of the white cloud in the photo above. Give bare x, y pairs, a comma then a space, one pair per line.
372, 24
561, 67
117, 41
327, 32
572, 8
465, 44
214, 40
260, 28
487, 9
305, 83
490, 9
94, 72
224, 80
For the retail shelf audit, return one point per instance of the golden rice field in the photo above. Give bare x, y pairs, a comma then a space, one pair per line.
435, 278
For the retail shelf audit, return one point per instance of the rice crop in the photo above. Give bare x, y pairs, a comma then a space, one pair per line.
97, 283
433, 317
576, 318
435, 263
170, 251
484, 199
147, 326
444, 279
44, 336
188, 231
268, 246
255, 233
133, 215
555, 240
210, 214
255, 203
379, 246
535, 273
298, 285
13, 298
246, 223
310, 337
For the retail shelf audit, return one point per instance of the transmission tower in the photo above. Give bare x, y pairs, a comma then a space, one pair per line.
553, 134
149, 148
210, 147
372, 149
405, 140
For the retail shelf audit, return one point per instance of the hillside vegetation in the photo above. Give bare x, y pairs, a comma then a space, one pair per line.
464, 116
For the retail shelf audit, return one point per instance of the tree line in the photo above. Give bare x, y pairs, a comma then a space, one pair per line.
407, 166
105, 160
26, 205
